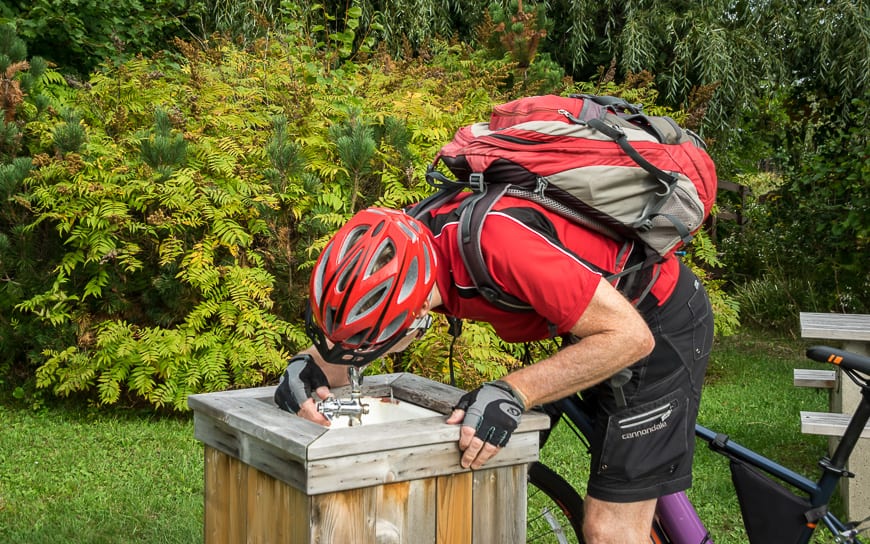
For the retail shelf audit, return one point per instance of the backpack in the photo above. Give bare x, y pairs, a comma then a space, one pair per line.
596, 160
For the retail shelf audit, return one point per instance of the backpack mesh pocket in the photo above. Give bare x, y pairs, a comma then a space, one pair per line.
771, 513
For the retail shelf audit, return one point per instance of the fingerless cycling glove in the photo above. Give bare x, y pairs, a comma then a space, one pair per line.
493, 410
300, 378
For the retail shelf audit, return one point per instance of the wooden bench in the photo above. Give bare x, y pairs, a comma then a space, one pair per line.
827, 424
820, 379
852, 333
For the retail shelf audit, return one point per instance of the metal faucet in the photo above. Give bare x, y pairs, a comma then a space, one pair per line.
353, 407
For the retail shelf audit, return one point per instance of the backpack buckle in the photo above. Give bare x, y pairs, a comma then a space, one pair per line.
644, 224
475, 181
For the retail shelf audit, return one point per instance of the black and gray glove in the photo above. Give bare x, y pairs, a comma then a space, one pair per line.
300, 378
493, 410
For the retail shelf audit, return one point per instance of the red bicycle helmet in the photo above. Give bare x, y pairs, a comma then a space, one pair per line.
369, 285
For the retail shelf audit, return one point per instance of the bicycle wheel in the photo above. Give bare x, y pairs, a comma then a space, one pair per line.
555, 509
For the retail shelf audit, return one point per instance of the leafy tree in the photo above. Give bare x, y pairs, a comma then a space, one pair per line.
79, 34
810, 213
24, 81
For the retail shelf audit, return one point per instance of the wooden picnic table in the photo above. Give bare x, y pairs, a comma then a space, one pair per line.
853, 329
852, 333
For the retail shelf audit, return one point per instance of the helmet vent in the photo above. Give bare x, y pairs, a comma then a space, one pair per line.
317, 285
385, 253
357, 338
410, 283
392, 328
352, 239
370, 302
347, 274
329, 320
427, 264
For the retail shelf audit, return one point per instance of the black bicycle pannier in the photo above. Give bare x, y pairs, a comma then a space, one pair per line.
772, 514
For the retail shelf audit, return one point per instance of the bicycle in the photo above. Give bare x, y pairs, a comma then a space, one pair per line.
555, 509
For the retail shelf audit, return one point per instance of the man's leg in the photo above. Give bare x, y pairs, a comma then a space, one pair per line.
617, 522
645, 436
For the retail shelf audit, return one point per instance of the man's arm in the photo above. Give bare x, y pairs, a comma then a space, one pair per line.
613, 336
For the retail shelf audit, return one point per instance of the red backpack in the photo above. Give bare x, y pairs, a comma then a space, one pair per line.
596, 160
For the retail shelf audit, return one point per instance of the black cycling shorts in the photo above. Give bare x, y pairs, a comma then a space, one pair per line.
644, 437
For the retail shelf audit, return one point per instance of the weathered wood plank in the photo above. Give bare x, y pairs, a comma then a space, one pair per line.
251, 416
420, 519
827, 424
406, 512
224, 494
433, 395
261, 507
296, 522
345, 516
410, 463
341, 442
276, 512
398, 434
724, 185
453, 512
419, 430
497, 491
278, 463
835, 326
822, 379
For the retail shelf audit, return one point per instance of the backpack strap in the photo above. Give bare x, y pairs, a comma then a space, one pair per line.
472, 214
664, 129
447, 189
612, 103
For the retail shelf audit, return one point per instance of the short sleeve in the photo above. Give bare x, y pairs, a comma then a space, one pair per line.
538, 269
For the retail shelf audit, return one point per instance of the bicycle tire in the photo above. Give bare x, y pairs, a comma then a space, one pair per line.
555, 509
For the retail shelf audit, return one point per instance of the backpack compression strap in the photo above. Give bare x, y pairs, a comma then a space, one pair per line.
669, 181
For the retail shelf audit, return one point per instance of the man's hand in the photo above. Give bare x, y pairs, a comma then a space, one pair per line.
300, 378
489, 415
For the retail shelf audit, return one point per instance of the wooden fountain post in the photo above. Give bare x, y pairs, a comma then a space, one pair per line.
272, 477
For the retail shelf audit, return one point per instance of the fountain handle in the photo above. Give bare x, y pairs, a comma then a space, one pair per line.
353, 407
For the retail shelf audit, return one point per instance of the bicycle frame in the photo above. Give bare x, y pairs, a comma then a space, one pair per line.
678, 517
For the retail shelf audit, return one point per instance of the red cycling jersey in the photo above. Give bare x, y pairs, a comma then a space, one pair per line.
533, 267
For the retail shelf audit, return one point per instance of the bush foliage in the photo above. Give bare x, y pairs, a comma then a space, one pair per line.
79, 34
160, 222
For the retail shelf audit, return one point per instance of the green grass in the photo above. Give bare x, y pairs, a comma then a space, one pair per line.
73, 474
76, 475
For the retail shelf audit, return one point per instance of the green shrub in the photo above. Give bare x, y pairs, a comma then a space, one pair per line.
77, 35
182, 202
807, 231
184, 205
